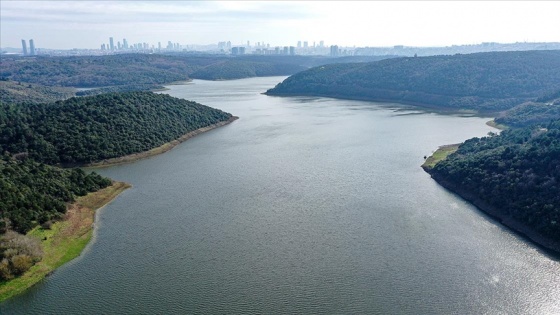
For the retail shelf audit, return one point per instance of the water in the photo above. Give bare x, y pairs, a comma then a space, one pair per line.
303, 205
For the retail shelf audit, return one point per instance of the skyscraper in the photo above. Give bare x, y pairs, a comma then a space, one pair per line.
24, 46
111, 43
334, 50
125, 43
31, 47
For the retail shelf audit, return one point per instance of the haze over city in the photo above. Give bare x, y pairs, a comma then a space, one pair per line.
87, 24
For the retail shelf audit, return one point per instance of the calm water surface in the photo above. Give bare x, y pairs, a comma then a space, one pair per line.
303, 205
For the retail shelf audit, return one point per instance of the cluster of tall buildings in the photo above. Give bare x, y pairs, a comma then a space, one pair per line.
306, 44
137, 46
31, 51
262, 48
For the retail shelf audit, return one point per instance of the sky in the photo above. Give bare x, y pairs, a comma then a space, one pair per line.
88, 24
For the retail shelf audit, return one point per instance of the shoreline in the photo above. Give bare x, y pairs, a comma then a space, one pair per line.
550, 247
492, 123
418, 105
158, 150
65, 240
440, 154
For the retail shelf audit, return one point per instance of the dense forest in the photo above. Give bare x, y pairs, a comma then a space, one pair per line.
17, 92
128, 72
545, 109
34, 193
82, 130
487, 82
515, 176
530, 113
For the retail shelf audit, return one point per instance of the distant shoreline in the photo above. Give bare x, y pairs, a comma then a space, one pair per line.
159, 150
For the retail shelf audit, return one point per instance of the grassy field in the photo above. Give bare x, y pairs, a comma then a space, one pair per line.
440, 154
65, 240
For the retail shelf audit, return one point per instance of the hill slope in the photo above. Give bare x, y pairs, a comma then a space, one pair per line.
17, 92
82, 130
482, 82
128, 72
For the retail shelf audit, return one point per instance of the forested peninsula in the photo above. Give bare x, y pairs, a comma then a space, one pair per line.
514, 177
482, 82
46, 212
83, 130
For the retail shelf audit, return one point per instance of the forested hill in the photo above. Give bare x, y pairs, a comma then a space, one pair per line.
483, 81
237, 69
100, 71
126, 72
542, 111
514, 176
82, 130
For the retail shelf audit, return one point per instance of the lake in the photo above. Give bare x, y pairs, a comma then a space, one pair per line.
303, 205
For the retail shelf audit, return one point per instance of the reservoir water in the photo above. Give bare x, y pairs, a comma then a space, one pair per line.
303, 205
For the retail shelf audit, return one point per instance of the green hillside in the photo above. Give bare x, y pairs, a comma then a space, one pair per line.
488, 82
82, 130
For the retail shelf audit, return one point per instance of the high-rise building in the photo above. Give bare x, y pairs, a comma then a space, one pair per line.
322, 44
334, 50
292, 50
159, 45
238, 50
305, 44
24, 47
299, 44
125, 43
111, 44
31, 47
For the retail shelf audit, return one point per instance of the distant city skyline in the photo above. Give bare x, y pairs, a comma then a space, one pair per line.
87, 24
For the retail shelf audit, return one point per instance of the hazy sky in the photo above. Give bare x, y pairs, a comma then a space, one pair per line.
87, 24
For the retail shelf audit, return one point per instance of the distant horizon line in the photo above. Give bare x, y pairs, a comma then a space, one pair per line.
316, 46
